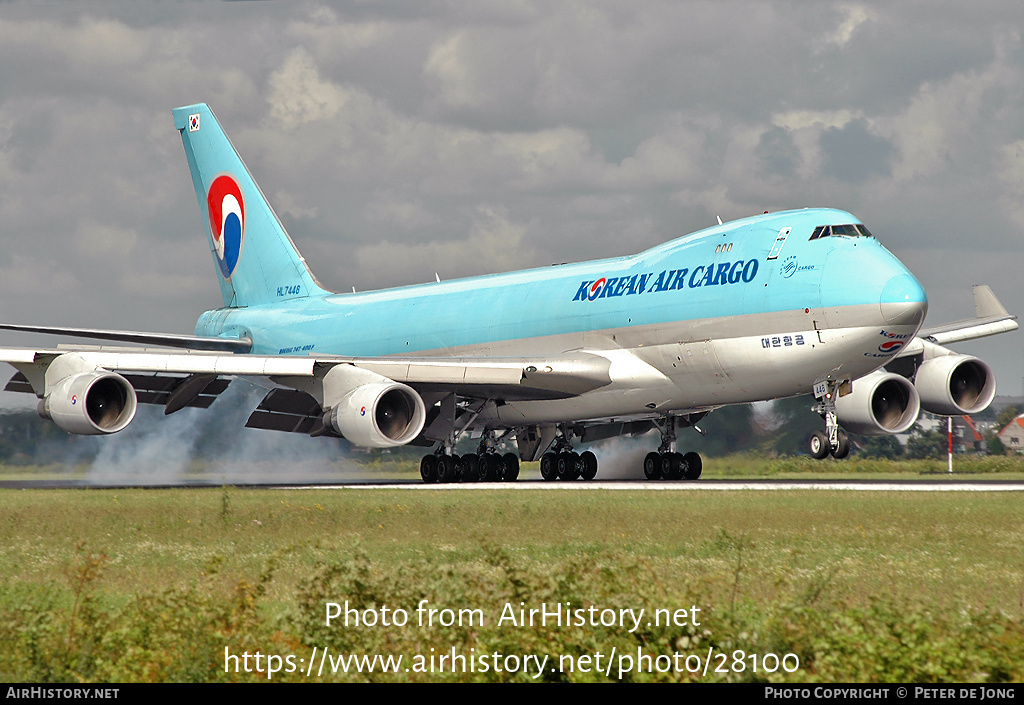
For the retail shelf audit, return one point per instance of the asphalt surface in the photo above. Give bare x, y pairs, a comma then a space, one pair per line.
938, 484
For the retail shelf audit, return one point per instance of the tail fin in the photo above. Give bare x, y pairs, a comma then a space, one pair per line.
256, 261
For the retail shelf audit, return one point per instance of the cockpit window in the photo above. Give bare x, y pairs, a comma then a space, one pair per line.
851, 230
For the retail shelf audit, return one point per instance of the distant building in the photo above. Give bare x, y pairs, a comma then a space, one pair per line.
966, 436
1012, 435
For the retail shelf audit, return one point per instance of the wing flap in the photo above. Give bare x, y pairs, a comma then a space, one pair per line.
286, 410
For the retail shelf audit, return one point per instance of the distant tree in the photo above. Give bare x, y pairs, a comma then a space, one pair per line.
995, 446
887, 447
926, 444
797, 423
1006, 416
730, 429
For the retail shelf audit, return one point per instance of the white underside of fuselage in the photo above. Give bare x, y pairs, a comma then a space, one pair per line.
687, 375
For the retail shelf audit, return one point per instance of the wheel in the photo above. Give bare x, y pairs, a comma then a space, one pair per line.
493, 469
577, 466
568, 466
588, 462
470, 468
549, 466
652, 466
428, 468
511, 463
819, 445
672, 466
843, 448
694, 466
446, 468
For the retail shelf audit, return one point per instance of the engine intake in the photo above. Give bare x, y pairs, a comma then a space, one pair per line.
90, 403
378, 415
881, 403
955, 384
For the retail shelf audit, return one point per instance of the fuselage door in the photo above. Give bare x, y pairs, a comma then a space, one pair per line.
780, 240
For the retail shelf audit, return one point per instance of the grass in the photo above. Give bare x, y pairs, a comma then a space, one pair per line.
90, 577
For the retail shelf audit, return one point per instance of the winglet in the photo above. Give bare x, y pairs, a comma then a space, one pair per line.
986, 305
992, 319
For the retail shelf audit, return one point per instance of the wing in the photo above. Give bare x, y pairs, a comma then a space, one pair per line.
94, 389
189, 342
991, 318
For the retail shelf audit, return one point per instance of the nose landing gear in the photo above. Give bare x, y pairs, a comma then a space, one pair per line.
833, 440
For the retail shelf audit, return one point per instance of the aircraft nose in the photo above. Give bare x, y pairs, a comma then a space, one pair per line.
903, 301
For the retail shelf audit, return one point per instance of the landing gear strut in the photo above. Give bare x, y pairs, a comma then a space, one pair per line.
669, 464
563, 463
833, 440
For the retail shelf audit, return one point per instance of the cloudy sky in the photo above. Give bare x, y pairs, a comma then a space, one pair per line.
397, 139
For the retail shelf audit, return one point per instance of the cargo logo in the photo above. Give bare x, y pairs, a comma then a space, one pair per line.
668, 280
790, 266
890, 346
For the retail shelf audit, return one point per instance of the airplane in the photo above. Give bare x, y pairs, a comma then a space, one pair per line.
769, 306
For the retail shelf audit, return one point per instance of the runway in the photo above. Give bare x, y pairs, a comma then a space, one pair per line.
846, 485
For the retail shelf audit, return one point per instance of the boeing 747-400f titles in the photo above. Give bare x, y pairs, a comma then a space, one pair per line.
765, 307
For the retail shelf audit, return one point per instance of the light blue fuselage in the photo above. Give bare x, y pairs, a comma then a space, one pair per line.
716, 287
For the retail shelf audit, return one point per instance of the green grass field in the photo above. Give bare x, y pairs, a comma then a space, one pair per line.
860, 586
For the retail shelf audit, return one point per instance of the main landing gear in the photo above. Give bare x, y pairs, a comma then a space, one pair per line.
489, 467
667, 463
563, 463
486, 465
833, 440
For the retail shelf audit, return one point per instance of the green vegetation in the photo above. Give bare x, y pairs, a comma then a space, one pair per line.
152, 585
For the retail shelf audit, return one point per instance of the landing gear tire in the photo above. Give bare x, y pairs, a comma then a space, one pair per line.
471, 468
588, 463
511, 463
843, 448
428, 469
652, 466
446, 470
694, 466
568, 466
818, 445
549, 467
672, 466
493, 469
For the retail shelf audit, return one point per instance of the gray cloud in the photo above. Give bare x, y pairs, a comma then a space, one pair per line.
399, 139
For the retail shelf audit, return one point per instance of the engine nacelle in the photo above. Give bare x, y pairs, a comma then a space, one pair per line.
955, 384
90, 403
380, 414
881, 403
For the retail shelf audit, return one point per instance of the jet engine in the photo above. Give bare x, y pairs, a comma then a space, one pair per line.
380, 414
881, 403
90, 403
955, 384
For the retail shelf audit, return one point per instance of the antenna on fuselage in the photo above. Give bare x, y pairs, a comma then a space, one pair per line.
719, 219
437, 277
